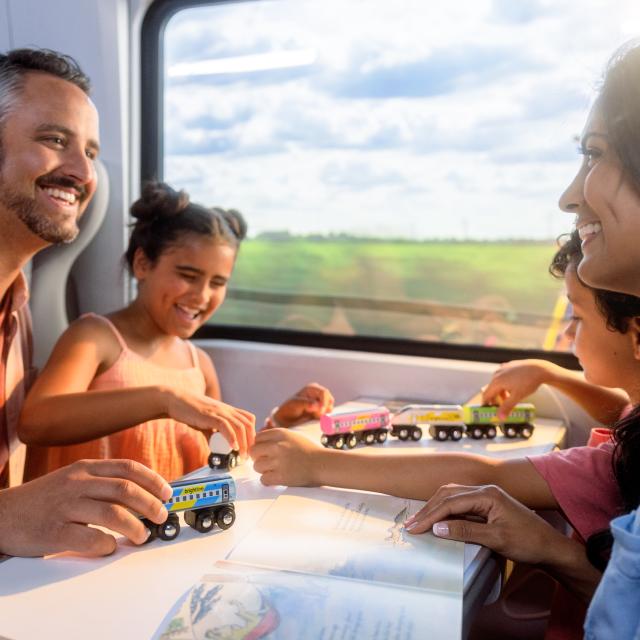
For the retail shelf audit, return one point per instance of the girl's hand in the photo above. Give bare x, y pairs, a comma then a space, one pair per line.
514, 381
286, 457
206, 414
494, 520
312, 401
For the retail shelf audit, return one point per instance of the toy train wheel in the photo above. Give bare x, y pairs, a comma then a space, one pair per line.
510, 431
225, 517
441, 435
476, 433
152, 527
338, 443
456, 434
491, 432
170, 528
324, 440
352, 441
526, 431
416, 434
204, 521
403, 433
215, 460
369, 438
382, 436
233, 460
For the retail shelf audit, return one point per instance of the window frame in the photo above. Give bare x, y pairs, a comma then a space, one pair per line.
151, 168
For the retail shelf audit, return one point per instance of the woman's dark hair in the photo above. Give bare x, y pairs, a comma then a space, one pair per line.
165, 216
619, 102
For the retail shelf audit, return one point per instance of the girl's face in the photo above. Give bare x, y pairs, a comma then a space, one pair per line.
607, 209
187, 283
607, 357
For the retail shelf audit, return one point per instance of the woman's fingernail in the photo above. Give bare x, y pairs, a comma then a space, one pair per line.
440, 529
409, 520
410, 525
167, 492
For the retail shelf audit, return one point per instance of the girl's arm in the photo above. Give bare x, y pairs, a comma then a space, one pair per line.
289, 458
245, 436
61, 410
518, 379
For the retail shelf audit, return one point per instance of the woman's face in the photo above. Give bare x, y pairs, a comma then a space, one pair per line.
607, 209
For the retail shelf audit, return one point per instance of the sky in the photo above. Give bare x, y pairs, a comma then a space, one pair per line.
401, 119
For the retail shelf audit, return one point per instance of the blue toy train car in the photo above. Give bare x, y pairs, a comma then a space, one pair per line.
206, 502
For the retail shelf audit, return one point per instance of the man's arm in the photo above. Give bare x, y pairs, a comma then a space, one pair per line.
51, 514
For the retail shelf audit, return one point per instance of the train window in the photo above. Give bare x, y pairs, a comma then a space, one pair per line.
399, 163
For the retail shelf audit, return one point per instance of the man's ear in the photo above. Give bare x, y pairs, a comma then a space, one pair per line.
634, 330
141, 264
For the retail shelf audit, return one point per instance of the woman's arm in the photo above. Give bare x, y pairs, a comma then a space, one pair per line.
289, 458
509, 528
61, 410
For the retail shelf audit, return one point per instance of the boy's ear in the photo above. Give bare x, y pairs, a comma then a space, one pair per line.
634, 330
141, 264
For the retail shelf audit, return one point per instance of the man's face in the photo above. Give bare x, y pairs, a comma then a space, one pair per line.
49, 143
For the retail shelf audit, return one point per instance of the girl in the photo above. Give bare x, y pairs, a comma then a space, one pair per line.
578, 482
131, 384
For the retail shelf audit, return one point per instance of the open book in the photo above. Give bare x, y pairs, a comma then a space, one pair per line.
328, 564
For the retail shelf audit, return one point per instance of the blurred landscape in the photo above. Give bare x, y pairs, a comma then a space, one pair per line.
488, 293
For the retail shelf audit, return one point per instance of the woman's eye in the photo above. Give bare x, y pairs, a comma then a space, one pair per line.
591, 154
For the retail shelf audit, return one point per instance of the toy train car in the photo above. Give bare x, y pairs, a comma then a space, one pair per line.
222, 456
444, 422
206, 502
343, 430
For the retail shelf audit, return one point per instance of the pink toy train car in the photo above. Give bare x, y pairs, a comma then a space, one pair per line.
344, 430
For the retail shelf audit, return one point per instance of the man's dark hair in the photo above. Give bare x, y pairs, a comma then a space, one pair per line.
16, 64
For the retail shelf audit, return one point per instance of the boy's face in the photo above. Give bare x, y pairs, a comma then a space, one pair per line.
607, 357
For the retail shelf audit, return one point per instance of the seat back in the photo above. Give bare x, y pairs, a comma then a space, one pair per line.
50, 274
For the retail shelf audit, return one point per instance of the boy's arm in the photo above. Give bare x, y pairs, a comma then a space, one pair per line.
517, 379
290, 458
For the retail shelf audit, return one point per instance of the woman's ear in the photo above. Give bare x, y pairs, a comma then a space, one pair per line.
141, 264
634, 330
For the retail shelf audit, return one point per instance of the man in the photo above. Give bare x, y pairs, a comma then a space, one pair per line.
48, 144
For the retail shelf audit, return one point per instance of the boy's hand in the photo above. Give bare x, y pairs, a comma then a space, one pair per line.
286, 457
513, 381
312, 401
51, 514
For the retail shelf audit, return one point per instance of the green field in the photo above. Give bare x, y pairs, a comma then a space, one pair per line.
489, 293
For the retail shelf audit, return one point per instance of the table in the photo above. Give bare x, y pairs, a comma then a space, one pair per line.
127, 594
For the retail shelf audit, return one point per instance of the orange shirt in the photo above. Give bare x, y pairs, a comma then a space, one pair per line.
16, 374
169, 447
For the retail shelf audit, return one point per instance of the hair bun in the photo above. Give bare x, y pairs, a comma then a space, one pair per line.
158, 200
235, 221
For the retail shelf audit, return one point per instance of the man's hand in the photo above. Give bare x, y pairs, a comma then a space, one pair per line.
51, 514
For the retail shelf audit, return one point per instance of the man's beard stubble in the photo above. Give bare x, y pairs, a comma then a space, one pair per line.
25, 209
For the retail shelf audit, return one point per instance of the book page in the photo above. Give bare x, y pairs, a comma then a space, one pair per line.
233, 603
354, 535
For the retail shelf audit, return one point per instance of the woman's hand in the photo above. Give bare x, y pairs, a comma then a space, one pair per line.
206, 414
312, 401
286, 457
494, 520
516, 380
